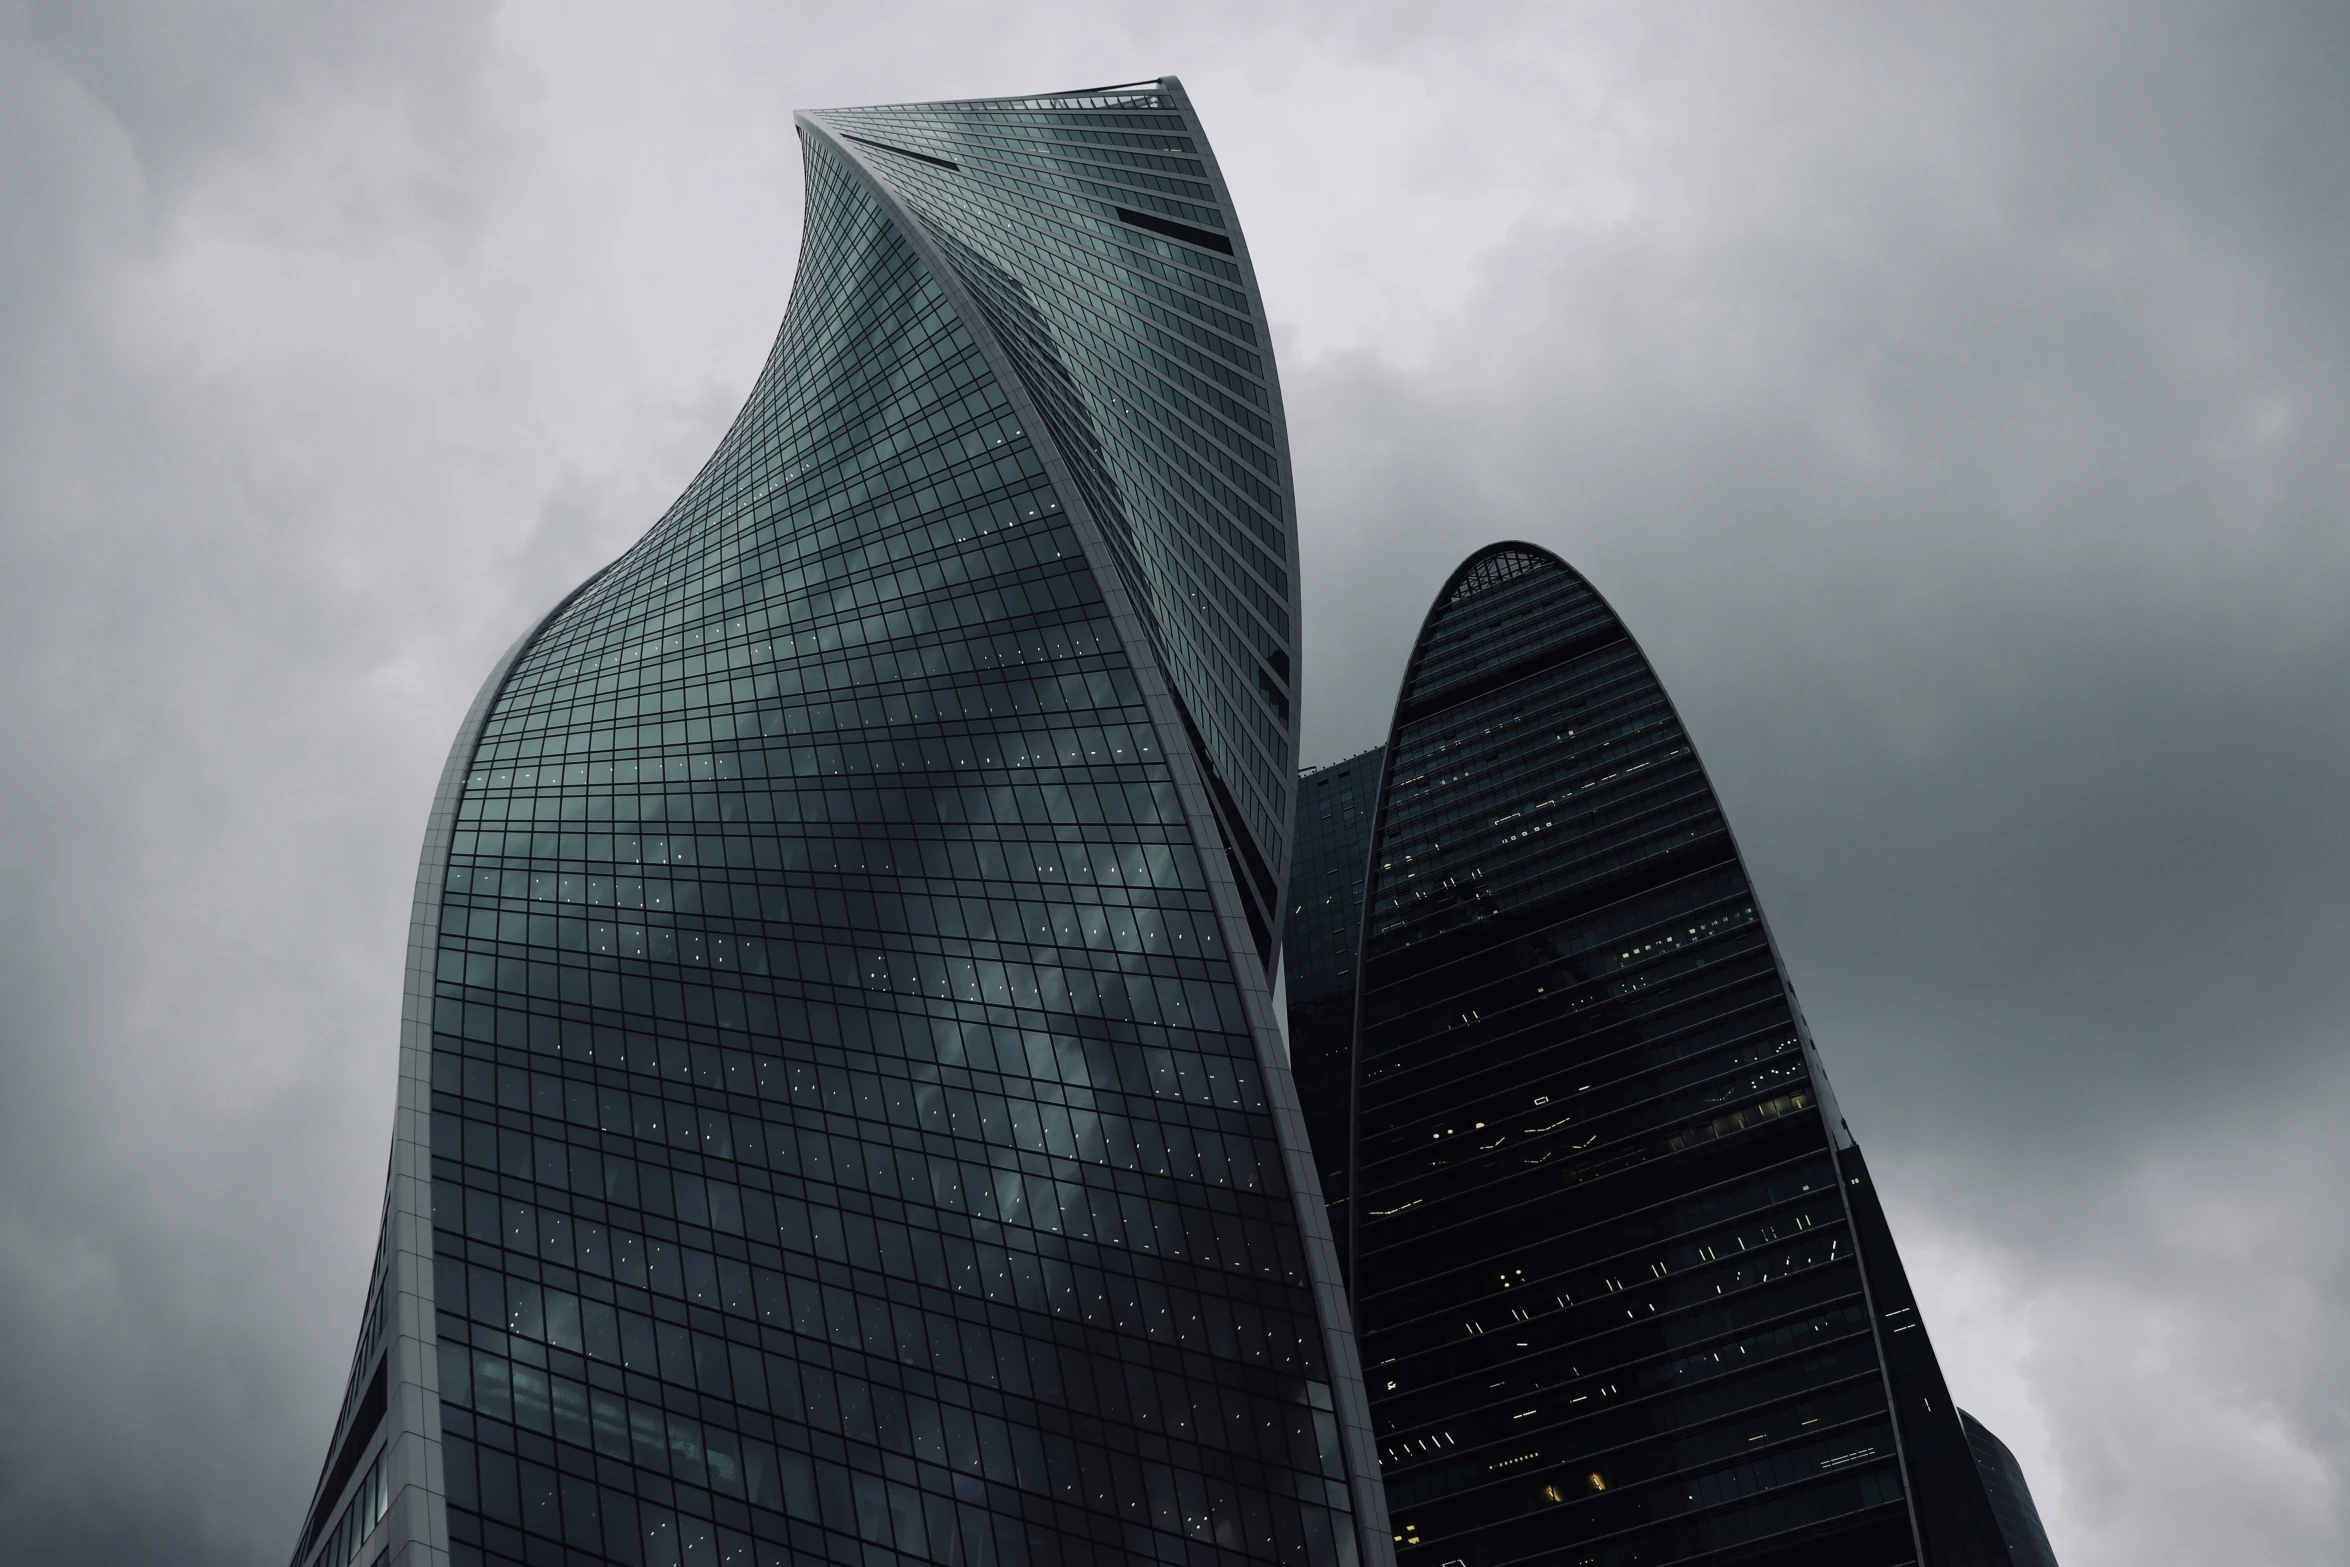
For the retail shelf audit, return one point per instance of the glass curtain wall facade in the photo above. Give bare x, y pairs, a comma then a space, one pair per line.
1102, 255
1624, 1290
1319, 946
842, 1116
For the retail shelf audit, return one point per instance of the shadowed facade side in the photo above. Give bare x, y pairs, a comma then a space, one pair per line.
1625, 1291
842, 1116
1320, 943
2011, 1497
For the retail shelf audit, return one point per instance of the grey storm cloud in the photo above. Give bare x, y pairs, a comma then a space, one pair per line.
1951, 398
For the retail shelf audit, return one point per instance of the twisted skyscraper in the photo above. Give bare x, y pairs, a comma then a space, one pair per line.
841, 1113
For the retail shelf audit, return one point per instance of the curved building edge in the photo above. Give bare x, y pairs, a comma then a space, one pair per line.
1189, 771
1831, 1115
403, 1469
2011, 1496
1271, 859
1944, 1482
1278, 854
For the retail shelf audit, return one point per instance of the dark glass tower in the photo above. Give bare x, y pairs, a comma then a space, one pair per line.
842, 1116
1319, 945
2011, 1497
1624, 1289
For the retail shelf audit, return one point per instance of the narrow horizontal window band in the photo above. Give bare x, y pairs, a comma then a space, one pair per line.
906, 152
1203, 238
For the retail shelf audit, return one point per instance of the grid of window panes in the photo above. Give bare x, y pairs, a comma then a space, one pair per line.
847, 1142
1147, 354
1604, 1273
1319, 942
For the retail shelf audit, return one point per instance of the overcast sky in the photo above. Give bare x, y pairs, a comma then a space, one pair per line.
1953, 398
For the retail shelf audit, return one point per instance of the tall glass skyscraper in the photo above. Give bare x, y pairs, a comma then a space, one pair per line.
1625, 1291
841, 1112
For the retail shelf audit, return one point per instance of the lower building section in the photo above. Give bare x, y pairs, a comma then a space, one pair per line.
1696, 1377
819, 1320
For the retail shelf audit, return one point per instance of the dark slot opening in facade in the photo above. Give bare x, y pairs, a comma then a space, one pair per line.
1205, 239
364, 1420
908, 152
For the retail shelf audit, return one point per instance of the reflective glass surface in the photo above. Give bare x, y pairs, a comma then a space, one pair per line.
849, 1139
1093, 233
1607, 1245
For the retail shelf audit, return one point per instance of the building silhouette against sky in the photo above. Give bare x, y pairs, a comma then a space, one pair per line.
2011, 1497
1624, 1288
841, 1111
